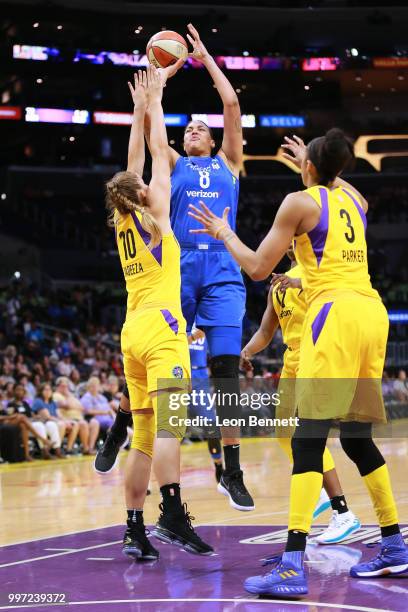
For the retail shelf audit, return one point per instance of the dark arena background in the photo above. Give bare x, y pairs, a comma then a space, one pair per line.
298, 68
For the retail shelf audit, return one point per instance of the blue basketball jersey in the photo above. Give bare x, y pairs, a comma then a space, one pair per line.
198, 354
201, 178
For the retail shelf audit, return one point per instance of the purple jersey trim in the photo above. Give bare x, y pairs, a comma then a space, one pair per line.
170, 320
320, 320
358, 206
146, 237
318, 234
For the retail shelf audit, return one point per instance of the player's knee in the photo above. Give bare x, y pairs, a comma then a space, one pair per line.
225, 374
144, 432
173, 425
171, 413
363, 452
307, 454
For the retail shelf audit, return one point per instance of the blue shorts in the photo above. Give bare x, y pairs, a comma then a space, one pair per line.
212, 290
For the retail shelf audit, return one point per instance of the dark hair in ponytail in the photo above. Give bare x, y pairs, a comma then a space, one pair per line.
330, 154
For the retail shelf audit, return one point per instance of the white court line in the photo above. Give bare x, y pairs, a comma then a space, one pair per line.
59, 535
316, 604
62, 535
59, 554
60, 549
106, 559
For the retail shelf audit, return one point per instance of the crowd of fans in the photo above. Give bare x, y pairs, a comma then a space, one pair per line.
54, 414
60, 363
59, 390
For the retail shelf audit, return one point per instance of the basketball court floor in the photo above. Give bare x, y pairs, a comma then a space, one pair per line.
61, 526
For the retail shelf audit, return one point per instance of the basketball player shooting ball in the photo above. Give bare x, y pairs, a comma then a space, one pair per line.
342, 349
212, 288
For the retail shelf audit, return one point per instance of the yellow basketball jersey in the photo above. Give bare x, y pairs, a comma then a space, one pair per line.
152, 276
333, 255
290, 307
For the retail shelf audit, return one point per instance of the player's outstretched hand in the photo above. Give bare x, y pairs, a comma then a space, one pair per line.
212, 224
138, 90
154, 87
199, 53
297, 149
283, 281
245, 362
170, 71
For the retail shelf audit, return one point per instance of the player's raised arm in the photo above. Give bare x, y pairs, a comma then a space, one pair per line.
136, 149
232, 143
159, 188
165, 74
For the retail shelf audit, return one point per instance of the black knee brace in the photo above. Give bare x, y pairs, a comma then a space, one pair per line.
225, 366
225, 375
308, 444
359, 446
308, 454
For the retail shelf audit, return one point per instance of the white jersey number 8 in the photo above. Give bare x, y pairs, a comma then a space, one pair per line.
204, 179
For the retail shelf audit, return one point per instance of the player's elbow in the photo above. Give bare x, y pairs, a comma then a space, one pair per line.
233, 101
259, 273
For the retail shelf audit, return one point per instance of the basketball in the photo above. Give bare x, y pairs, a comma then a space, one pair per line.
165, 48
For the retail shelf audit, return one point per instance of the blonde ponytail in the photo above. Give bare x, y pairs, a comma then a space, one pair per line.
122, 196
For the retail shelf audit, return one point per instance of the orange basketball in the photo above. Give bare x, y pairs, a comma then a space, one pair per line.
165, 48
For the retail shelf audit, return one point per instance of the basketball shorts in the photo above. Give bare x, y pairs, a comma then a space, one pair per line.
212, 289
342, 355
155, 353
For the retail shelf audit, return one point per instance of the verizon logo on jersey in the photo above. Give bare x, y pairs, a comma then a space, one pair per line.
192, 193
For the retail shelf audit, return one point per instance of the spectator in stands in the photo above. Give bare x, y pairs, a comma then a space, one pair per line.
35, 333
401, 387
8, 394
65, 366
96, 404
75, 380
29, 387
45, 410
8, 371
18, 412
387, 386
112, 392
71, 411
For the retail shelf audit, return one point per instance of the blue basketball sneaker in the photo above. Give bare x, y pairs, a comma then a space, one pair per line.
391, 560
287, 579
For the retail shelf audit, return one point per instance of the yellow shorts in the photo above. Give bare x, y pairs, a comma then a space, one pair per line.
291, 362
342, 359
155, 353
287, 391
